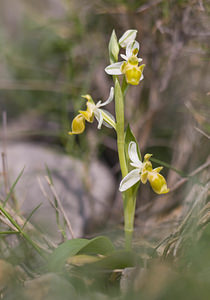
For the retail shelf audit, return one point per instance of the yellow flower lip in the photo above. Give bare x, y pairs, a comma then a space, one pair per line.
157, 182
133, 73
78, 125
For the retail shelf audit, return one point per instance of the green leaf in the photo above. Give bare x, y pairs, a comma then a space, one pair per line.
49, 174
12, 188
82, 259
113, 48
120, 259
99, 245
31, 214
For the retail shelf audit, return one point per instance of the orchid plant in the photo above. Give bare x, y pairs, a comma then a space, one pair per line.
133, 169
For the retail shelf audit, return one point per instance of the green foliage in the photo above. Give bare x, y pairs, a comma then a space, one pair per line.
99, 245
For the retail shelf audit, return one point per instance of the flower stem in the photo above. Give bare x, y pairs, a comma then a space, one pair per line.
119, 110
129, 201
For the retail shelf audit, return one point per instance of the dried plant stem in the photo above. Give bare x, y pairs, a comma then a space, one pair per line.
3, 154
53, 205
4, 173
4, 161
193, 173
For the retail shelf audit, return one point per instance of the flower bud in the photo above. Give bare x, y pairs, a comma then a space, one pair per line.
113, 48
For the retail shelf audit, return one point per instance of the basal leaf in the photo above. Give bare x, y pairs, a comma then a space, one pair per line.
99, 245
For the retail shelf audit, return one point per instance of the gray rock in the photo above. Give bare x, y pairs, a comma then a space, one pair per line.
84, 191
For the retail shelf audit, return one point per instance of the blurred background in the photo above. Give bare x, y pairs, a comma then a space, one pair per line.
53, 51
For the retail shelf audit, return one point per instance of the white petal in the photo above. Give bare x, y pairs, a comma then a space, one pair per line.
140, 59
129, 180
111, 96
114, 69
124, 57
142, 76
133, 155
127, 37
137, 165
99, 117
130, 47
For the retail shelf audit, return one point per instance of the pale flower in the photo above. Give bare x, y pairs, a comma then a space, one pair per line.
130, 66
93, 110
142, 172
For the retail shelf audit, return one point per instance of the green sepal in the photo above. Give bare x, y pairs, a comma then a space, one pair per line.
113, 48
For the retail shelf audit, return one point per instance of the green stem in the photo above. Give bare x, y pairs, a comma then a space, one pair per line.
129, 203
129, 200
119, 110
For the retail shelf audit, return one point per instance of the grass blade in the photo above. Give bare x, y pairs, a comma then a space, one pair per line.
12, 188
31, 214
